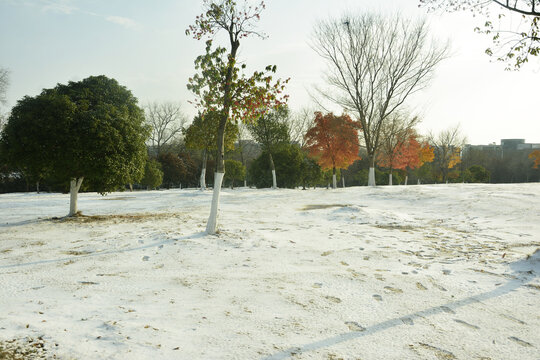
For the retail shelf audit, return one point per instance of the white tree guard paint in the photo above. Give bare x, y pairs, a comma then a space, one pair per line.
203, 178
211, 226
343, 180
406, 179
390, 179
418, 182
74, 186
334, 181
274, 182
371, 177
245, 183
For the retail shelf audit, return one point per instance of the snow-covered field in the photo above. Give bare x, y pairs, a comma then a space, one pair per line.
403, 272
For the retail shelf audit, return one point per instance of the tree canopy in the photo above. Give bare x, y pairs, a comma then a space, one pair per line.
333, 141
91, 129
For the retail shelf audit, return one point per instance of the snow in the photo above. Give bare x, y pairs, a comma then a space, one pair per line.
402, 272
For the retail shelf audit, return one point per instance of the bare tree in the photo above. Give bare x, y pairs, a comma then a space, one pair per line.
514, 41
166, 121
447, 147
374, 64
299, 123
394, 133
4, 83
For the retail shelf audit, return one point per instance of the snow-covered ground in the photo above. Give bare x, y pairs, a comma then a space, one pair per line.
403, 272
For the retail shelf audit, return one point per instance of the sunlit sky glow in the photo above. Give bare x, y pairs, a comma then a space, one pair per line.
142, 44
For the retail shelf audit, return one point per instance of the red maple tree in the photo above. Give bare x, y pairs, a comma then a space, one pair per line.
333, 141
535, 155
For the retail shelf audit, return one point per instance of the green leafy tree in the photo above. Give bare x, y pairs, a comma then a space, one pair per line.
478, 174
153, 176
271, 131
202, 135
220, 86
92, 129
236, 171
310, 172
173, 168
288, 162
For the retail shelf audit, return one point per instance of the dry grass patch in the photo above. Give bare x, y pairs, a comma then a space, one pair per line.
117, 218
322, 206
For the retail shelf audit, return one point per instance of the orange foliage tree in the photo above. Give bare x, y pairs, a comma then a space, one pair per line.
535, 155
333, 142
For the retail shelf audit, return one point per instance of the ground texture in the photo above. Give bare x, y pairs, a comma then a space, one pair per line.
403, 272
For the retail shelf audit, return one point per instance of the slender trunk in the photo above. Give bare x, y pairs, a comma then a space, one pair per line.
273, 168
390, 178
245, 183
371, 176
232, 184
418, 183
211, 226
203, 171
334, 179
130, 187
342, 179
37, 186
406, 179
74, 186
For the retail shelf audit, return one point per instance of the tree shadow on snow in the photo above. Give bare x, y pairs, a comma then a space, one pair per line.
523, 271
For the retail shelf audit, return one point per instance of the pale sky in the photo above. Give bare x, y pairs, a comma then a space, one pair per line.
142, 44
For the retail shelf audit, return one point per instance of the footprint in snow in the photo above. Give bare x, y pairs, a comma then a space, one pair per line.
377, 297
354, 326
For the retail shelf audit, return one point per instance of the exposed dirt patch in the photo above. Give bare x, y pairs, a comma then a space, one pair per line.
117, 218
322, 206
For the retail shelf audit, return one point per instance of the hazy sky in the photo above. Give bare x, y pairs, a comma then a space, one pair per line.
142, 44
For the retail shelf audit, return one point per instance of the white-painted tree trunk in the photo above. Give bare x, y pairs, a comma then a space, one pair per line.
334, 181
390, 179
211, 226
74, 186
203, 178
371, 177
418, 182
343, 180
274, 182
245, 183
406, 179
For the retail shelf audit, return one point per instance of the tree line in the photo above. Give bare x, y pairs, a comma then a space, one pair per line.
93, 134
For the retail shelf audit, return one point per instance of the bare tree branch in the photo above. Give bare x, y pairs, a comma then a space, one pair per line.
374, 65
166, 121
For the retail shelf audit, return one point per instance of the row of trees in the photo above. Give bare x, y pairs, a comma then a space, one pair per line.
374, 64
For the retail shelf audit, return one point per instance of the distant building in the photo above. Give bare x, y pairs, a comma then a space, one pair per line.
507, 146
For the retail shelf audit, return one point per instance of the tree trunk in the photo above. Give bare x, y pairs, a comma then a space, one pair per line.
406, 179
274, 182
211, 226
334, 179
37, 186
371, 176
74, 186
418, 183
130, 187
390, 178
203, 171
343, 179
245, 183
